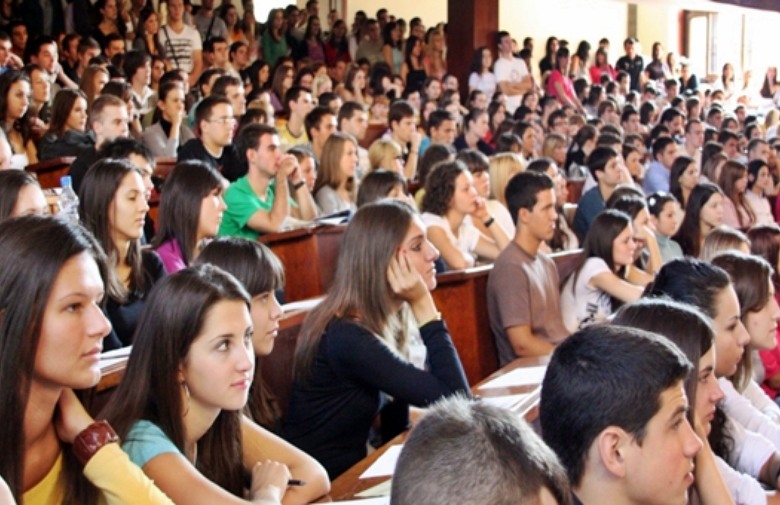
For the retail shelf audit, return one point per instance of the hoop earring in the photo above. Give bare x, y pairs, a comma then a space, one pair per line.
187, 394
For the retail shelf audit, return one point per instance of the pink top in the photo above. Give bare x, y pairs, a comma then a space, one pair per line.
771, 360
171, 256
597, 72
565, 82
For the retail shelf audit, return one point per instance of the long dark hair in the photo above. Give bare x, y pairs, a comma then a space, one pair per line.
689, 233
260, 271
11, 183
21, 125
185, 188
96, 195
36, 248
63, 104
151, 388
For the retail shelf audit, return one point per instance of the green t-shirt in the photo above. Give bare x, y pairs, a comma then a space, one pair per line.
242, 202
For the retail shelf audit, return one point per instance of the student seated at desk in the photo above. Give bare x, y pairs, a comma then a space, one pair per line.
66, 135
522, 291
449, 204
51, 450
191, 210
353, 351
113, 207
500, 460
259, 202
178, 407
381, 183
335, 189
20, 195
604, 276
703, 212
613, 407
696, 339
261, 273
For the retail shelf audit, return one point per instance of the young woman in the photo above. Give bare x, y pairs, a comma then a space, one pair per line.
261, 273
146, 38
39, 111
684, 177
170, 129
92, 82
179, 412
354, 87
647, 255
633, 160
67, 135
664, 211
190, 213
451, 201
703, 212
20, 195
387, 154
603, 278
733, 181
476, 126
435, 64
721, 239
51, 450
380, 184
691, 332
765, 243
336, 187
124, 91
759, 184
311, 46
353, 350
14, 103
113, 207
709, 288
601, 67
559, 84
281, 82
107, 11
481, 76
273, 40
337, 45
392, 45
547, 63
235, 28
479, 167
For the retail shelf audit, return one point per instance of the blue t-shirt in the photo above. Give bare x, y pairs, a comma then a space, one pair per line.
145, 441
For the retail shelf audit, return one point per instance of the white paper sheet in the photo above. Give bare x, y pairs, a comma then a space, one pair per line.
384, 500
506, 401
527, 376
385, 465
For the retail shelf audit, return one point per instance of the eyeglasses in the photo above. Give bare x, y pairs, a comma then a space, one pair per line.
223, 120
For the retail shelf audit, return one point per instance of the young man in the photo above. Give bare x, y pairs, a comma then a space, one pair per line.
629, 120
632, 64
694, 140
353, 119
660, 169
182, 42
730, 141
758, 149
613, 407
88, 48
606, 167
214, 121
215, 54
233, 89
403, 129
500, 460
320, 124
44, 52
674, 120
19, 37
370, 48
138, 72
442, 129
239, 58
115, 44
298, 103
512, 74
259, 202
608, 112
522, 291
208, 24
109, 121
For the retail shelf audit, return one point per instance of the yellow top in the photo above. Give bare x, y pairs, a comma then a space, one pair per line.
111, 471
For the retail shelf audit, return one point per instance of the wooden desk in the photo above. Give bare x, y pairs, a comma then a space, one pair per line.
309, 257
49, 172
461, 297
163, 167
348, 484
574, 186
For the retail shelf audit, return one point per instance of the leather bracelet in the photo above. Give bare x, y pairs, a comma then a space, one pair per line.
489, 222
298, 185
91, 439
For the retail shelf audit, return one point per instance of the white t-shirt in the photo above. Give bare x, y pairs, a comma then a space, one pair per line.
760, 207
502, 216
585, 304
744, 412
486, 83
511, 70
468, 234
183, 45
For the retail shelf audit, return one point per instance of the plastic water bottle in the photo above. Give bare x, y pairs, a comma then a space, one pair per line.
69, 201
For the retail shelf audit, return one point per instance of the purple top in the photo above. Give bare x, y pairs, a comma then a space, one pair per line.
171, 256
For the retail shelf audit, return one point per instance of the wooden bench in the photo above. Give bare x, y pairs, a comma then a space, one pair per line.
163, 167
309, 257
49, 172
566, 262
373, 132
461, 297
574, 186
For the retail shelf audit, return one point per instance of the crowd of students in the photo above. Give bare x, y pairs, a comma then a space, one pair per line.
663, 338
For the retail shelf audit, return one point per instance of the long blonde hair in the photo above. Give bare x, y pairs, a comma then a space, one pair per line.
329, 173
502, 167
